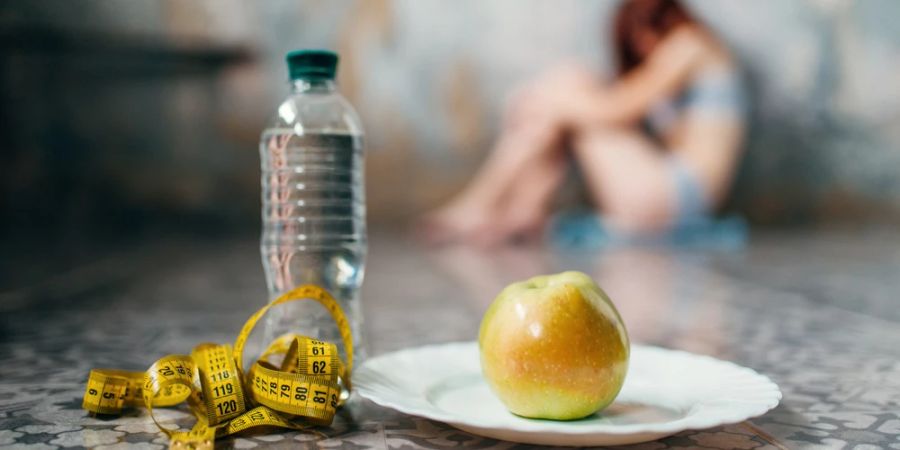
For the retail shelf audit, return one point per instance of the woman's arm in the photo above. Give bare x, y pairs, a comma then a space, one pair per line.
662, 75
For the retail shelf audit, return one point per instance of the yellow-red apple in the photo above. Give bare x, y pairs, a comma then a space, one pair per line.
554, 347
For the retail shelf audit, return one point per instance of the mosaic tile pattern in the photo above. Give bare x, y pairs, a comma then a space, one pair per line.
809, 311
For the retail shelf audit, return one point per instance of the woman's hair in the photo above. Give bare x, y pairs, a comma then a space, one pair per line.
641, 24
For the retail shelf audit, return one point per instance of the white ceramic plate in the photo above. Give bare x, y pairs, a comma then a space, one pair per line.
665, 392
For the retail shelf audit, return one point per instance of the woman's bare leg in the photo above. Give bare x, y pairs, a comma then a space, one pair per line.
517, 150
629, 177
477, 209
512, 191
526, 206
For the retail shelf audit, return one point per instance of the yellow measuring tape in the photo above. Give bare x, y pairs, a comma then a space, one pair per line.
304, 389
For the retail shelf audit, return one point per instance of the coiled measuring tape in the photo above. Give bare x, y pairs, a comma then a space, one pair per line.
304, 390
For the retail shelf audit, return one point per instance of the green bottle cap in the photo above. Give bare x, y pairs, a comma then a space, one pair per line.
305, 64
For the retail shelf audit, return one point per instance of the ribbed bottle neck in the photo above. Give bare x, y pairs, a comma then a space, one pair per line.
313, 85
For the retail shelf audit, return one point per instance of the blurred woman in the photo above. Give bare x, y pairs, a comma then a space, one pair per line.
657, 146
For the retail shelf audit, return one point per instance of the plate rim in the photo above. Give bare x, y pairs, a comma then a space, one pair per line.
554, 427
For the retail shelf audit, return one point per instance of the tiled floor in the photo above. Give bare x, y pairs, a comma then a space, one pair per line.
816, 311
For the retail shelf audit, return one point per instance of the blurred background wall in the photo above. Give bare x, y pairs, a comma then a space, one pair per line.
124, 116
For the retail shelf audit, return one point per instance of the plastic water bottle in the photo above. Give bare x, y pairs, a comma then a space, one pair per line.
313, 202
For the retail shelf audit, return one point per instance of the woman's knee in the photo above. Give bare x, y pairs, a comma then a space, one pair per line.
522, 106
533, 124
539, 134
528, 98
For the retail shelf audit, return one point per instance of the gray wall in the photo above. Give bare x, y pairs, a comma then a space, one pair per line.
160, 115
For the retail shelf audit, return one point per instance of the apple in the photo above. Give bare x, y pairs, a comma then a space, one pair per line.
554, 347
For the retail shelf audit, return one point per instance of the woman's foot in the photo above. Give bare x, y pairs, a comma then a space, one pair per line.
455, 222
512, 227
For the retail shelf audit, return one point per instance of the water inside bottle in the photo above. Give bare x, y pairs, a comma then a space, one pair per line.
313, 228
